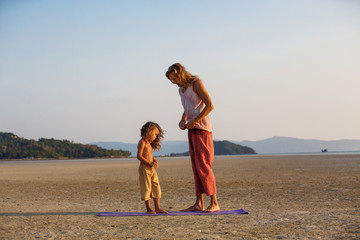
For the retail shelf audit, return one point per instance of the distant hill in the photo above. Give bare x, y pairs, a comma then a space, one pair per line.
180, 148
224, 148
229, 148
294, 145
14, 147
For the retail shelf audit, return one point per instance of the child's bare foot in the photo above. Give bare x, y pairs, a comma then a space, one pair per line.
150, 211
193, 208
212, 208
161, 211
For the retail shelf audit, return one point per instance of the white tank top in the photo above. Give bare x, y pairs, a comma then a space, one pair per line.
193, 106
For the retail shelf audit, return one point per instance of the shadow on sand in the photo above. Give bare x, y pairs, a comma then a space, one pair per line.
30, 214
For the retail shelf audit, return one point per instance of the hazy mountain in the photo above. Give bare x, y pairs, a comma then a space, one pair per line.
270, 145
294, 145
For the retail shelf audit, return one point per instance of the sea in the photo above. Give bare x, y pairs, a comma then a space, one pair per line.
174, 158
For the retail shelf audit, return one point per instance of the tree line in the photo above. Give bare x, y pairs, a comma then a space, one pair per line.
14, 147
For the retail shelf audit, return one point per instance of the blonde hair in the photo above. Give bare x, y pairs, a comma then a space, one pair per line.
145, 130
181, 72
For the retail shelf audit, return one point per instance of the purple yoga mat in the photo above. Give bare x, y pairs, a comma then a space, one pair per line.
129, 214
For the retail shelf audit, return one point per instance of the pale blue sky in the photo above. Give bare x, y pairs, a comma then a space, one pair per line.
94, 70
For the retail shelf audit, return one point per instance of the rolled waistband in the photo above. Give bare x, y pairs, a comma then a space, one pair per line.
197, 131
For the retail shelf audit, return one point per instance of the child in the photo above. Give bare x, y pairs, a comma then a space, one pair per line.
151, 135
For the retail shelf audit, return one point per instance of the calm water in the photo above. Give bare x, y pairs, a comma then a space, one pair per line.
314, 153
174, 158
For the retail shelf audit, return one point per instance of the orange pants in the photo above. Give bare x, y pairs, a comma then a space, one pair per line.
201, 148
149, 183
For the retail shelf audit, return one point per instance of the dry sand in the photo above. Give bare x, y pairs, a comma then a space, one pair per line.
288, 197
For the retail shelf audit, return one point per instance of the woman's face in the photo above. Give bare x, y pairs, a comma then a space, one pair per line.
174, 79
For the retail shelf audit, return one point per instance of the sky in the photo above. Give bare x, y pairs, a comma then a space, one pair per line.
90, 71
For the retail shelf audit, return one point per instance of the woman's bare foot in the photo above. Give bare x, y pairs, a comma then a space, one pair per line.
193, 208
198, 206
212, 208
160, 211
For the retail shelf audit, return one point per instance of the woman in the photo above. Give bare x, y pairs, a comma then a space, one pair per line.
197, 107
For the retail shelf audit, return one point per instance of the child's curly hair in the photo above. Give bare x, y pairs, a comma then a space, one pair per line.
147, 128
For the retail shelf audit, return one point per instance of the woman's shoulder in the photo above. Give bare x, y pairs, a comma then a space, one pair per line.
196, 81
197, 84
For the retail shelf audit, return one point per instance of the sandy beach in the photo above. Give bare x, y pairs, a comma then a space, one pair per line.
288, 197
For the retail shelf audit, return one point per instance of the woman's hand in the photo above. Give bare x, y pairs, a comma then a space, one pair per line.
191, 124
182, 125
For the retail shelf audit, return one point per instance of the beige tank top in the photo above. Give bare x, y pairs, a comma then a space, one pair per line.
193, 106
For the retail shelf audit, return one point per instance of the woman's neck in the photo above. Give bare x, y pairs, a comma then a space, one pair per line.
185, 85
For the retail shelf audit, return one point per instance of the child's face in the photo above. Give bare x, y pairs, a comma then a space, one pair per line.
152, 134
174, 79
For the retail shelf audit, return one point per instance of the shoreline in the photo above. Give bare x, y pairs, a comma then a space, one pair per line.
181, 157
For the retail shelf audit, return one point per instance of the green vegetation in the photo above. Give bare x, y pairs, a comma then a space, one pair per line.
229, 148
14, 147
224, 148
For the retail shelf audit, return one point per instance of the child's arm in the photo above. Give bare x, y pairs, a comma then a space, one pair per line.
141, 148
199, 88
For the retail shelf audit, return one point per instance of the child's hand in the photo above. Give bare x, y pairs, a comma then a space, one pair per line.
156, 164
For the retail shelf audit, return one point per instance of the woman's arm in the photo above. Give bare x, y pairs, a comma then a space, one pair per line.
199, 88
